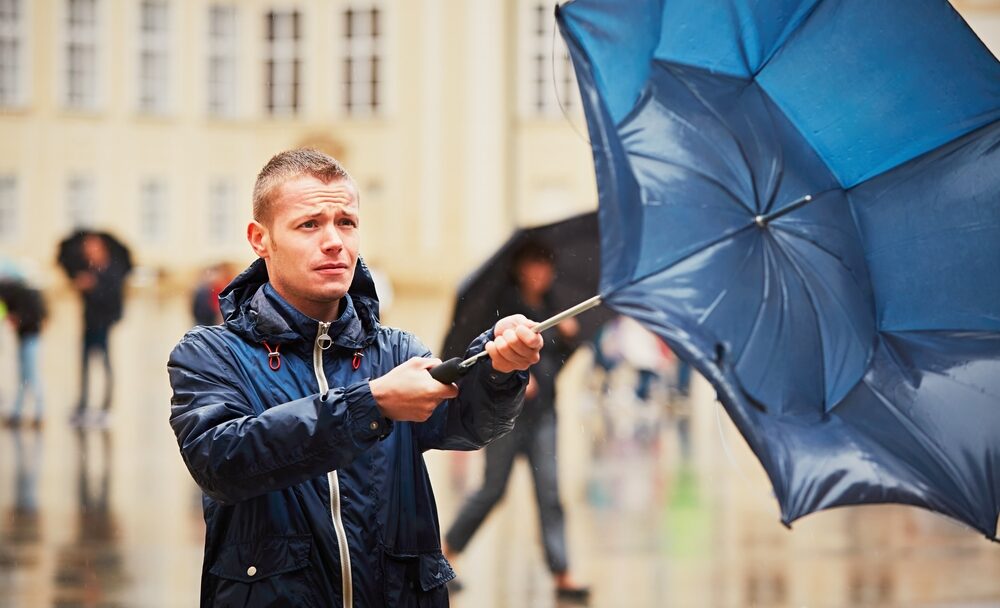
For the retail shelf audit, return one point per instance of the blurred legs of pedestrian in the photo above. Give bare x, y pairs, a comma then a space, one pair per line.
536, 439
95, 341
28, 380
683, 377
644, 384
684, 414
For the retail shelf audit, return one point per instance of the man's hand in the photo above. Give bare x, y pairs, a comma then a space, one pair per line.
84, 281
408, 393
516, 346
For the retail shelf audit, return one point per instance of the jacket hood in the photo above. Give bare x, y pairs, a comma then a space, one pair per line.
254, 310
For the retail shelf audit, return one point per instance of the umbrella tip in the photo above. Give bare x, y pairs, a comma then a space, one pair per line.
760, 220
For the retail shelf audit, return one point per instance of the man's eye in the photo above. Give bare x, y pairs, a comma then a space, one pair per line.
309, 224
349, 222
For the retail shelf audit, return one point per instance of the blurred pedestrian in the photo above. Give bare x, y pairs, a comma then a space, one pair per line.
102, 288
304, 420
205, 299
26, 312
534, 434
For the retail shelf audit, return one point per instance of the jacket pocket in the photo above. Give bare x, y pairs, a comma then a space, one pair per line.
271, 571
416, 580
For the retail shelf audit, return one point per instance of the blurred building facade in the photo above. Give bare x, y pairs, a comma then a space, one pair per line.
150, 118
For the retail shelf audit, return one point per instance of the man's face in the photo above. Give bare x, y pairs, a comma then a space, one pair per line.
535, 276
95, 251
310, 243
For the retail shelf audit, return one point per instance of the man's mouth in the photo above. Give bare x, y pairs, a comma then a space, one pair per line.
331, 268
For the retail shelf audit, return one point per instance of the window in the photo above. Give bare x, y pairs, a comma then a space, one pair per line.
223, 48
154, 66
153, 211
80, 60
283, 62
12, 50
221, 204
548, 83
8, 208
363, 60
81, 207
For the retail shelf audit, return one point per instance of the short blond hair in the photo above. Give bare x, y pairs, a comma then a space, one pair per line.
289, 165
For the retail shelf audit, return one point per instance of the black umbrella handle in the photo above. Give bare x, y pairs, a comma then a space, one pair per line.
449, 371
453, 369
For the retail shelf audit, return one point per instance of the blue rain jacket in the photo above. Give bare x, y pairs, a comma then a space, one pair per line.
312, 498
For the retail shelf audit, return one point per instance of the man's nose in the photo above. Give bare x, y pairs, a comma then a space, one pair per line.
331, 238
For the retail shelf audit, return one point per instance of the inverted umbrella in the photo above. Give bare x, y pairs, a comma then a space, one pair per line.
577, 260
803, 199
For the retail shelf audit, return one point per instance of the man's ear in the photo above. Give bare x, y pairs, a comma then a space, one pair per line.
259, 239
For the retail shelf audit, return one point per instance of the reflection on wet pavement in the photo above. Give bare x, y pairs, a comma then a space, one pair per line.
110, 517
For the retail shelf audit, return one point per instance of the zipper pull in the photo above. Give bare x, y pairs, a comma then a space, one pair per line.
356, 361
273, 356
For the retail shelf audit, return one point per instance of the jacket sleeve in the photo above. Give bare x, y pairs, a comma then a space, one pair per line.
488, 402
236, 449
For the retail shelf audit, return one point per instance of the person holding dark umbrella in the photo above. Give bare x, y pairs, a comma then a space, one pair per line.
26, 312
534, 434
101, 285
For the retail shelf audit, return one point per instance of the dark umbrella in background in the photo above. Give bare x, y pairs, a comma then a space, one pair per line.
576, 244
71, 257
803, 199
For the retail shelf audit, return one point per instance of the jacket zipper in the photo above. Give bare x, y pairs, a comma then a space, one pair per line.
323, 342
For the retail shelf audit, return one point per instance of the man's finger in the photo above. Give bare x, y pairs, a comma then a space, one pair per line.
530, 338
516, 343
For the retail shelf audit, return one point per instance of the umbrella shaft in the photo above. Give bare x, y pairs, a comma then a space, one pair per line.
546, 324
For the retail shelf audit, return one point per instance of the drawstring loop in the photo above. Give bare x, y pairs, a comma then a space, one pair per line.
273, 356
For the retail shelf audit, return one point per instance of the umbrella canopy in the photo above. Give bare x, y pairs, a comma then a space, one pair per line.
801, 197
25, 303
577, 270
71, 257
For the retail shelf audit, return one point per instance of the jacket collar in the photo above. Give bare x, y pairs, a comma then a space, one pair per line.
254, 310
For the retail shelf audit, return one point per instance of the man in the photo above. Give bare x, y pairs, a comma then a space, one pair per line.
534, 436
304, 421
102, 288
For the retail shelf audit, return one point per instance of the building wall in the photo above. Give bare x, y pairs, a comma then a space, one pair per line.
454, 161
436, 167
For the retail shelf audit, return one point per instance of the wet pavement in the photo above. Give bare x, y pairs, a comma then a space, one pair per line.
111, 518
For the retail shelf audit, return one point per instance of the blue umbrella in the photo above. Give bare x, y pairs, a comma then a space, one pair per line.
803, 198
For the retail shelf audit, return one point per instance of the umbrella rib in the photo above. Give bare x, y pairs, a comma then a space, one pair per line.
730, 194
774, 51
824, 249
724, 293
812, 304
712, 143
780, 156
725, 125
766, 282
941, 459
687, 256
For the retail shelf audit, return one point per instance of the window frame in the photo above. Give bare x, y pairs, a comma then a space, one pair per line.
373, 45
547, 88
154, 80
279, 54
85, 215
92, 39
20, 32
156, 231
10, 208
225, 49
